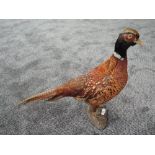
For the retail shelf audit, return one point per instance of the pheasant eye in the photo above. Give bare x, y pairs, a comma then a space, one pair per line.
129, 36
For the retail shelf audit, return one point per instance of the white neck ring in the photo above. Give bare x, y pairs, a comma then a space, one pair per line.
118, 56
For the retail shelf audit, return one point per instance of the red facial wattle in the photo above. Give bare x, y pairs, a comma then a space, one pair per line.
129, 37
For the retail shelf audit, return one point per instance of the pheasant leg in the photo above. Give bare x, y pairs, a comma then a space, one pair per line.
98, 116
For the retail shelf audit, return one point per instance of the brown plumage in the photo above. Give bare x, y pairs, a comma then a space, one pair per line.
100, 84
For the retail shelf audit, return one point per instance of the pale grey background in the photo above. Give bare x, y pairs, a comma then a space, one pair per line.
39, 54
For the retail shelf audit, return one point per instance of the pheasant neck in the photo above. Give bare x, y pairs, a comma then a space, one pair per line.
117, 55
121, 48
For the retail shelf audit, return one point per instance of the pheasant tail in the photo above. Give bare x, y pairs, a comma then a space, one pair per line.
49, 95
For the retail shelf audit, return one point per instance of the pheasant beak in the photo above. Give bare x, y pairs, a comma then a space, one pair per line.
139, 42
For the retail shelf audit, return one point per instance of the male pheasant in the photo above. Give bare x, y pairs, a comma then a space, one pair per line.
100, 84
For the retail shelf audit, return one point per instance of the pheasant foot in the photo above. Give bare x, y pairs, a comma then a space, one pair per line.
98, 117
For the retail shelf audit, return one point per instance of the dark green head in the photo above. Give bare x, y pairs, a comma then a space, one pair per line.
129, 37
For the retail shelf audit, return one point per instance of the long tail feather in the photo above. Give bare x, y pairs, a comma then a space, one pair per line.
50, 94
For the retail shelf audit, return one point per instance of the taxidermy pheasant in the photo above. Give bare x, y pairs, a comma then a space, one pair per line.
100, 84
